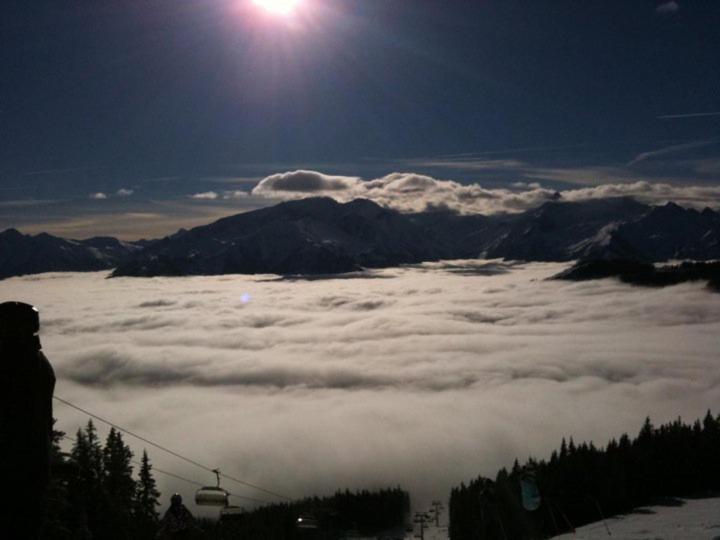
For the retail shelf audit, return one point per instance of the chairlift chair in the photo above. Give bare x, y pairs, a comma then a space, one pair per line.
212, 495
230, 512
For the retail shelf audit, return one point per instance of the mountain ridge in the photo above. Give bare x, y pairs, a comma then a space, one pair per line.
22, 254
322, 236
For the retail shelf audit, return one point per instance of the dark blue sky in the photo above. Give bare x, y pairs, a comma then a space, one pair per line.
166, 97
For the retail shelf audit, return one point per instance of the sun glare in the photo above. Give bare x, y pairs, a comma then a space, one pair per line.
278, 7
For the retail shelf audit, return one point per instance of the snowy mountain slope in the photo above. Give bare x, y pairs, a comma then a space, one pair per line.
672, 232
322, 236
694, 519
310, 236
560, 231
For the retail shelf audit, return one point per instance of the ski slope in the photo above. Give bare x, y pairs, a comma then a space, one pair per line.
694, 519
431, 533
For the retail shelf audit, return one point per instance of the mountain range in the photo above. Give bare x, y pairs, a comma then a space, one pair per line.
22, 254
323, 236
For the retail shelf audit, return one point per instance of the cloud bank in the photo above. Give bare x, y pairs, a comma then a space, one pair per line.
411, 192
425, 377
122, 192
214, 195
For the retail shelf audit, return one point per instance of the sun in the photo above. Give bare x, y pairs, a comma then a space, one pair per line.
278, 7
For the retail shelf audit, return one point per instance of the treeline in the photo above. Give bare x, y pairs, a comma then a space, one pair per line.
580, 484
93, 494
644, 274
368, 513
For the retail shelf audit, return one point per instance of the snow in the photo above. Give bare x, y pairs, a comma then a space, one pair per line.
694, 519
439, 533
95, 252
431, 533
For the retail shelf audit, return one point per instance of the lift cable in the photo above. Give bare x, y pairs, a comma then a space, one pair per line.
167, 450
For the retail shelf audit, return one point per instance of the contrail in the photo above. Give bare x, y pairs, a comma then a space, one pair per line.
687, 115
674, 149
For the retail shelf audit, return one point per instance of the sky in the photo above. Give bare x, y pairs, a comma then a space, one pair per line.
421, 376
138, 118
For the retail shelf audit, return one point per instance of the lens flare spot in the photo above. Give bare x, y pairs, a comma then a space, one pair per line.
245, 298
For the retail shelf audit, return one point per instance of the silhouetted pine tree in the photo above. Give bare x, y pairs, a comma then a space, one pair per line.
367, 512
86, 488
146, 501
58, 510
92, 493
119, 486
580, 483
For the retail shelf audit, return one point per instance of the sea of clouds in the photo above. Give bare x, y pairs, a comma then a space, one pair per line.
421, 376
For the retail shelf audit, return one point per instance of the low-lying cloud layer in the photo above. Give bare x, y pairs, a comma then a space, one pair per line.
425, 378
411, 192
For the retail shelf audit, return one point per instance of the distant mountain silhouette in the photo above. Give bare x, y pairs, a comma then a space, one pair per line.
22, 254
322, 236
310, 236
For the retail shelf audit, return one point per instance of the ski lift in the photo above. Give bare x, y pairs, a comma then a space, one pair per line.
230, 512
212, 495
